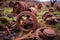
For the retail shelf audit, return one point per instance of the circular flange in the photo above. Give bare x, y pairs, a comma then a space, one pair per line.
44, 32
19, 7
49, 32
31, 20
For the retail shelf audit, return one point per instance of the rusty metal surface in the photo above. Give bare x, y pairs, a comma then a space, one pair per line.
19, 7
51, 9
50, 18
23, 6
44, 32
33, 21
27, 24
33, 9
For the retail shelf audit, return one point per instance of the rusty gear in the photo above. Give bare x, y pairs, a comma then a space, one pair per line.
49, 32
32, 9
44, 32
31, 21
19, 7
48, 14
50, 18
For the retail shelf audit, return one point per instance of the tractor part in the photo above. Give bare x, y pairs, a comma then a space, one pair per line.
48, 14
51, 10
32, 9
19, 7
45, 32
49, 18
26, 21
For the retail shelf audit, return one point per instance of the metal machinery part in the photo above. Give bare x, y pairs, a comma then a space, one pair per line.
51, 9
45, 32
27, 24
32, 9
19, 7
48, 14
22, 6
50, 18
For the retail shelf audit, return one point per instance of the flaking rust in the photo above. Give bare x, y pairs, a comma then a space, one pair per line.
50, 18
19, 7
30, 23
26, 23
45, 33
22, 6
